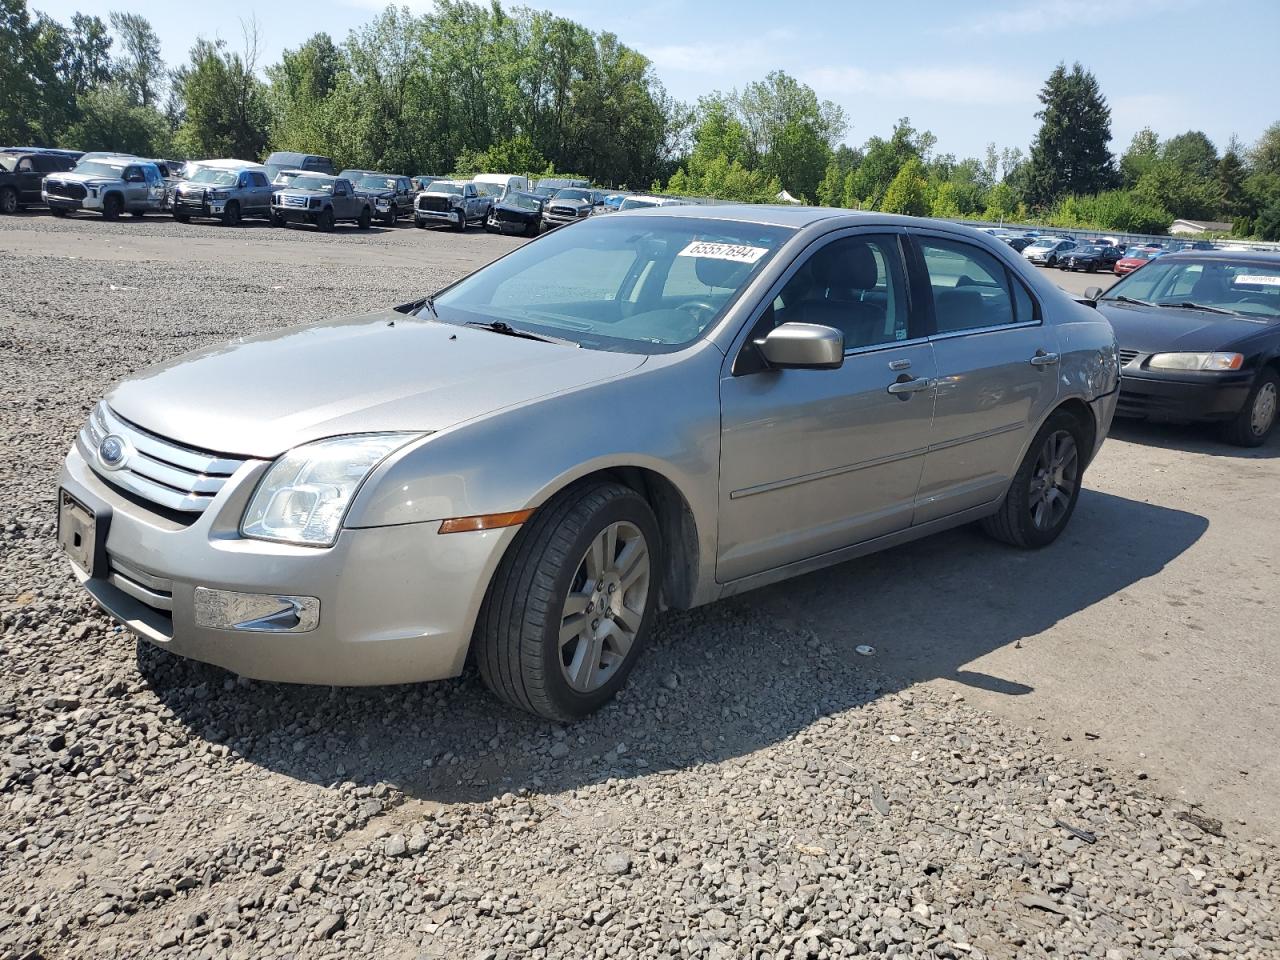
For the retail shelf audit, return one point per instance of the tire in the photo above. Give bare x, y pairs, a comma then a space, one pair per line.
461, 223
325, 221
58, 211
1025, 518
111, 207
1256, 421
231, 214
365, 219
182, 218
420, 224
545, 574
1051, 262
389, 220
139, 214
277, 220
8, 200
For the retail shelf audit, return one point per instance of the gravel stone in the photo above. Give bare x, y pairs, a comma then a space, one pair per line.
724, 806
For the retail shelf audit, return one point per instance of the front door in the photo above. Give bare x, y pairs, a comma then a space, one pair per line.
815, 460
997, 374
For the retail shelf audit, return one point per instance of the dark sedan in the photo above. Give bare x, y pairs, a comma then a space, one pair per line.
1199, 336
1090, 257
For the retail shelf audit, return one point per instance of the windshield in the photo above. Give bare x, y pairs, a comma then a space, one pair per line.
304, 182
287, 176
632, 203
449, 188
221, 178
621, 284
376, 183
95, 168
1087, 251
1136, 253
1247, 289
522, 201
1043, 244
572, 193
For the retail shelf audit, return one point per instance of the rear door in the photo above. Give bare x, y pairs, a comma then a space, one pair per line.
28, 176
997, 372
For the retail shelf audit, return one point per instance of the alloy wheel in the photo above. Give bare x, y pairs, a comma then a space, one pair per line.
1054, 480
605, 605
1264, 409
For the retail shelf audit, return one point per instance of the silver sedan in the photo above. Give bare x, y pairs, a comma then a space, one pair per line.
651, 410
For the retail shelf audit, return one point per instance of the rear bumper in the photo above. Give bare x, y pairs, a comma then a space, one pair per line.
1183, 401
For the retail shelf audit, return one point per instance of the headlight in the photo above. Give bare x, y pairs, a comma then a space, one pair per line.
219, 194
1196, 361
384, 204
304, 497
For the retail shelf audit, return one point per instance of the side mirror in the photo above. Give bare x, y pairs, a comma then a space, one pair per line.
1092, 293
803, 346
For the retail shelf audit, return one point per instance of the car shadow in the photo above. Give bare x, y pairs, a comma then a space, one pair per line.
1203, 438
718, 682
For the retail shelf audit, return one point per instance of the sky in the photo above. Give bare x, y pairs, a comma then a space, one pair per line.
968, 70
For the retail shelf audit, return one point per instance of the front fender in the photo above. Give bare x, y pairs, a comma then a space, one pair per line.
663, 416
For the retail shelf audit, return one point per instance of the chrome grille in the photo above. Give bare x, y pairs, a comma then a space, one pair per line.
563, 211
161, 471
1127, 357
290, 201
65, 188
438, 204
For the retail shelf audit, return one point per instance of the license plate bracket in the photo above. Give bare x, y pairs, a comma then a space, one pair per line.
82, 534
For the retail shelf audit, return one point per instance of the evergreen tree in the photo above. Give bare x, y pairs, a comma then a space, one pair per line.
1070, 153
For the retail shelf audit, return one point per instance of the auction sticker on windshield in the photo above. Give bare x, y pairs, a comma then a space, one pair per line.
1261, 279
723, 251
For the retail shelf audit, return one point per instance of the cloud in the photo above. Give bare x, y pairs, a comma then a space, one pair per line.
963, 84
1031, 18
722, 58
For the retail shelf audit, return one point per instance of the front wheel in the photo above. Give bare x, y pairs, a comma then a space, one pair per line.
1256, 420
365, 219
8, 200
231, 214
325, 221
58, 211
1044, 491
277, 220
111, 207
572, 602
182, 218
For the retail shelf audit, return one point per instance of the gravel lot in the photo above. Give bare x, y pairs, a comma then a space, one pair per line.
759, 790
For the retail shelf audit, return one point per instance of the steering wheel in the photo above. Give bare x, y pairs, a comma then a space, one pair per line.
694, 306
1257, 298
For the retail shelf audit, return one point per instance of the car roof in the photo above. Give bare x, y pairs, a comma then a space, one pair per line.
1266, 257
229, 163
787, 215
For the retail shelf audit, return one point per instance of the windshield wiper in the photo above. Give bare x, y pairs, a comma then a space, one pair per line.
1123, 299
1188, 305
507, 330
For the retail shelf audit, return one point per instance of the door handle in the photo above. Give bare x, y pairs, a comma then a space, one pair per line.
1042, 359
900, 387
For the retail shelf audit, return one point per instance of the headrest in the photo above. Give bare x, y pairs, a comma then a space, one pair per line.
845, 264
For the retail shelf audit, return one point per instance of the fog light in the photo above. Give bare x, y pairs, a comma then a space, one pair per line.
255, 612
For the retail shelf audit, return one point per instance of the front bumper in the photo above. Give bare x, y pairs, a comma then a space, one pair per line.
294, 214
437, 216
508, 226
396, 604
1206, 397
551, 223
55, 202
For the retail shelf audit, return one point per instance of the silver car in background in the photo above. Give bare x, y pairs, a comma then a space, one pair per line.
652, 410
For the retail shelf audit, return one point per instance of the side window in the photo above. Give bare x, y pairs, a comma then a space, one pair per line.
132, 173
1024, 307
970, 286
856, 285
25, 165
340, 188
257, 179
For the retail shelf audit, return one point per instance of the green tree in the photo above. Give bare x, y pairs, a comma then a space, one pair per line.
1267, 225
110, 120
882, 160
1143, 152
1192, 152
515, 155
139, 67
300, 92
831, 189
906, 194
1070, 153
1265, 155
1230, 176
226, 113
88, 63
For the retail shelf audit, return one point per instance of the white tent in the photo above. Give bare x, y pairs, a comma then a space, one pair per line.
784, 197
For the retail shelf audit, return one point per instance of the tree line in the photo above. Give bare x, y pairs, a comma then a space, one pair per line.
470, 87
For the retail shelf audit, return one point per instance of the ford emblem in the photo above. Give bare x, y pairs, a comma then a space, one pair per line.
113, 451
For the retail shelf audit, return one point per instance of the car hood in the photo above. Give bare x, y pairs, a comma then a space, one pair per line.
1170, 329
384, 371
376, 194
83, 177
569, 203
